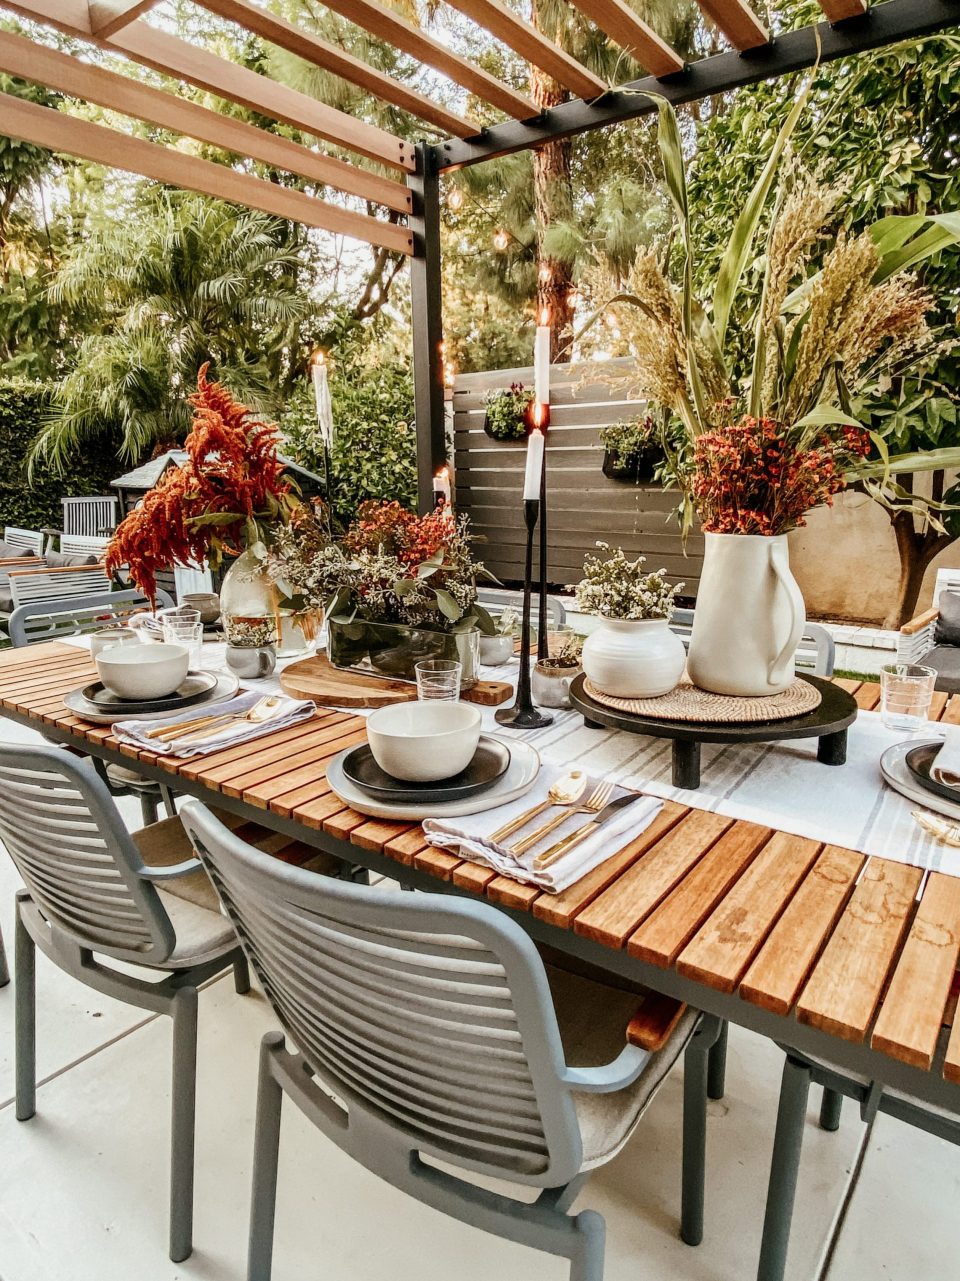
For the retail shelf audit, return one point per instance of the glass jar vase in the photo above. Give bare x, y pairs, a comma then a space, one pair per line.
249, 603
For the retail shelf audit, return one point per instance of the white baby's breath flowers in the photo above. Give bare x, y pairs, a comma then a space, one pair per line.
616, 587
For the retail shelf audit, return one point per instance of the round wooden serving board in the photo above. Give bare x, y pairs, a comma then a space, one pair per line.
331, 686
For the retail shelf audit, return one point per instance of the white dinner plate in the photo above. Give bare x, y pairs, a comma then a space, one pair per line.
226, 686
896, 772
519, 778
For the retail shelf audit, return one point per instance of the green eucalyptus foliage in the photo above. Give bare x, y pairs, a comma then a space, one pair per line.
34, 504
374, 453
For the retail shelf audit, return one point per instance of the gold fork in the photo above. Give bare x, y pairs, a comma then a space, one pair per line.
592, 805
564, 791
199, 727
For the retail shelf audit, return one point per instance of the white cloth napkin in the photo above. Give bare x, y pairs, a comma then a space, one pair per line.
289, 712
469, 836
946, 764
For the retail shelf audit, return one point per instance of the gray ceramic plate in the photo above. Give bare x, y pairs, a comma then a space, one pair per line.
517, 781
491, 762
226, 686
193, 690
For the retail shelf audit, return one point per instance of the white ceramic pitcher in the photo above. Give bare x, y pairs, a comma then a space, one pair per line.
749, 616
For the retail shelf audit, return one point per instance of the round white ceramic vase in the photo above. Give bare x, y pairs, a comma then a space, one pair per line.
633, 658
749, 616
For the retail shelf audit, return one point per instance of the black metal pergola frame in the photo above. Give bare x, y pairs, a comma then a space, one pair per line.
881, 25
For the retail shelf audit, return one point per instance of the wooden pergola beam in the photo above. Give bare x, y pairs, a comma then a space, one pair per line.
108, 16
840, 10
173, 57
523, 38
47, 127
22, 57
332, 58
737, 21
389, 26
632, 34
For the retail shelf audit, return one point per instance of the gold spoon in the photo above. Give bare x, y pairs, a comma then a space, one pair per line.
564, 791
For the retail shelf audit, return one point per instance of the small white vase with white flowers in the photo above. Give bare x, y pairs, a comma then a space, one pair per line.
632, 653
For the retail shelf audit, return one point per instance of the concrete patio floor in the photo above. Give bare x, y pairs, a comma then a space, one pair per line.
83, 1186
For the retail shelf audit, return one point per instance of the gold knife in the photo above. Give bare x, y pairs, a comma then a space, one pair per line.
558, 850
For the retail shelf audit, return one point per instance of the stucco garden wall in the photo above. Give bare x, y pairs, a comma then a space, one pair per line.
846, 562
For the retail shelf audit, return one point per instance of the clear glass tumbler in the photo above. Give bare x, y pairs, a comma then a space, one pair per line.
906, 695
182, 626
438, 678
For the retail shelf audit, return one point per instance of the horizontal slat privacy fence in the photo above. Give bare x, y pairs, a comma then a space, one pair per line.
584, 505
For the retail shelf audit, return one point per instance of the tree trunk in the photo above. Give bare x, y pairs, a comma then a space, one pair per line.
916, 551
553, 202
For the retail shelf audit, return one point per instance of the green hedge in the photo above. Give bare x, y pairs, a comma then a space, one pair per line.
33, 506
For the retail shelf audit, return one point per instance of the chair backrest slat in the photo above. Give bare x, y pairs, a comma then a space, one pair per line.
90, 516
84, 544
431, 1015
28, 585
23, 540
61, 827
41, 620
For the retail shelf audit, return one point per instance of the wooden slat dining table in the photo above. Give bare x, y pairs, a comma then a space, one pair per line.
825, 950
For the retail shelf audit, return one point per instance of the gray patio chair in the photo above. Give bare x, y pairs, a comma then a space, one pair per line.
48, 620
93, 891
426, 1027
501, 599
799, 1073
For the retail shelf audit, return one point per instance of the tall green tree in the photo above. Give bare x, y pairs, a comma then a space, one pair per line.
884, 125
180, 281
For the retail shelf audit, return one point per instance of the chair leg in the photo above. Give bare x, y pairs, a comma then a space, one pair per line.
241, 974
586, 1262
4, 968
148, 808
717, 1064
784, 1169
182, 1130
830, 1108
266, 1154
25, 1020
695, 1077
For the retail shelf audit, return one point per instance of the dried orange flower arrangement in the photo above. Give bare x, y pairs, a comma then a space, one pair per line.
226, 497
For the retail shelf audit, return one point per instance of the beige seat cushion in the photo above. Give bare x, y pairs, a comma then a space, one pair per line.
191, 902
593, 1020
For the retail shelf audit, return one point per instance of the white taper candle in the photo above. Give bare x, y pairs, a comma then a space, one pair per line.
531, 479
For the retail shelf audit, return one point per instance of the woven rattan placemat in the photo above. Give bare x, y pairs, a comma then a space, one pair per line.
689, 703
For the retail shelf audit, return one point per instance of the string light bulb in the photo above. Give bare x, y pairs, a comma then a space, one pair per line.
501, 240
545, 274
454, 199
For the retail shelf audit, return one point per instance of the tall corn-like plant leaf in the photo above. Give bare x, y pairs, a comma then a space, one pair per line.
739, 247
671, 155
940, 230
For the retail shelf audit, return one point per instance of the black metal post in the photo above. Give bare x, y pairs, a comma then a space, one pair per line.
427, 324
543, 646
523, 714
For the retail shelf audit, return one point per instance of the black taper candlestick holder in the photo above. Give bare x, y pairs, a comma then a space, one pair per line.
523, 714
543, 634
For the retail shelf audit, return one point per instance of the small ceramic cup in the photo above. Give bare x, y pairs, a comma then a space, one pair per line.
251, 662
111, 636
551, 685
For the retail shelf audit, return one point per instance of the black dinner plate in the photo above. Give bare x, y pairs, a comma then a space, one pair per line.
919, 762
490, 763
194, 689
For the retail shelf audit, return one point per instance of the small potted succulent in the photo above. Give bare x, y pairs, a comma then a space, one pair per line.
631, 451
553, 676
633, 653
498, 647
507, 413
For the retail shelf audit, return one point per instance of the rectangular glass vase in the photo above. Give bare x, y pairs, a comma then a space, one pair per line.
392, 650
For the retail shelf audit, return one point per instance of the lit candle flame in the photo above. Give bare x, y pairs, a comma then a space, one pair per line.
544, 320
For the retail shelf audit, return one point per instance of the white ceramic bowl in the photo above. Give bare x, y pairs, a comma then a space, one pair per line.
143, 672
424, 742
